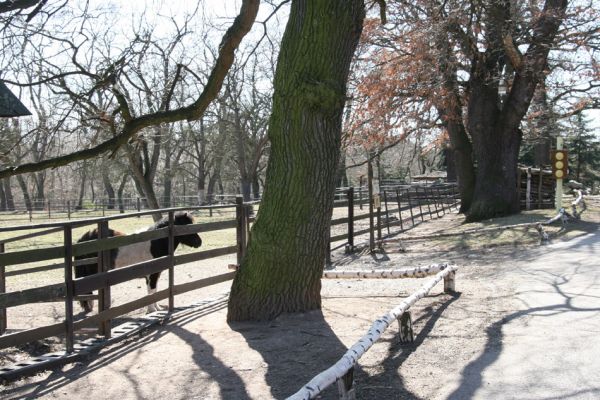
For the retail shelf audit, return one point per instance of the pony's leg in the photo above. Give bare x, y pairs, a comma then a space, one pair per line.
81, 271
151, 282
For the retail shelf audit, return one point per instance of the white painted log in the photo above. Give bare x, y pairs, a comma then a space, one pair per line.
350, 358
417, 272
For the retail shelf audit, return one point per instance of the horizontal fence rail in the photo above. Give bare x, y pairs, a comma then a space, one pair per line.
408, 202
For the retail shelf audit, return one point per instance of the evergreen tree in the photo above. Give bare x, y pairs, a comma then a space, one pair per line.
584, 151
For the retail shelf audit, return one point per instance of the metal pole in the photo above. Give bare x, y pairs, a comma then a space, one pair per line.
559, 182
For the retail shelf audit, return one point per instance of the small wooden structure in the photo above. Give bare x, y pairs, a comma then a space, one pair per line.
10, 105
536, 188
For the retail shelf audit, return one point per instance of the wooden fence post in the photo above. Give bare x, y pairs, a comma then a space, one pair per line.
171, 261
3, 322
437, 213
350, 195
399, 201
528, 190
440, 197
419, 201
540, 188
69, 209
104, 293
69, 332
387, 215
428, 194
240, 228
138, 205
412, 217
371, 223
49, 212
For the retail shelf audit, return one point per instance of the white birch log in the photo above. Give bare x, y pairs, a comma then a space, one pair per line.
350, 358
417, 272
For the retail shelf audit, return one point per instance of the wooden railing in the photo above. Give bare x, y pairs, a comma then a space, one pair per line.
76, 289
411, 204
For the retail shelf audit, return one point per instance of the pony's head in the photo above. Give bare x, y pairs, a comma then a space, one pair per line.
192, 239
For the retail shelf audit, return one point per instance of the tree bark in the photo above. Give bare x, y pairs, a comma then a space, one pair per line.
25, 191
288, 242
10, 201
110, 190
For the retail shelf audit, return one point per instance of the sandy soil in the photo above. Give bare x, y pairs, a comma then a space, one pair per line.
202, 357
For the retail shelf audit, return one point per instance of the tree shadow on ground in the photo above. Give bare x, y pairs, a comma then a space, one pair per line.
388, 384
295, 347
230, 384
472, 374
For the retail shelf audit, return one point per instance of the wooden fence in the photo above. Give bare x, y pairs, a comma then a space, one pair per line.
411, 204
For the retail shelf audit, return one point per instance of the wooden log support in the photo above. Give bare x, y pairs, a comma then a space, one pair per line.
351, 357
405, 332
345, 386
3, 322
69, 331
104, 293
544, 238
449, 286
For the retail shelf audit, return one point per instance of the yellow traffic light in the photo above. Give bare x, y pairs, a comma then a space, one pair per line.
559, 163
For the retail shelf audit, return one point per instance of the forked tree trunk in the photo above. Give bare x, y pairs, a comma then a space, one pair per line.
496, 149
286, 252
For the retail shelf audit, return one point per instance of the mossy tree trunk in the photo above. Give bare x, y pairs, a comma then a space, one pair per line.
286, 252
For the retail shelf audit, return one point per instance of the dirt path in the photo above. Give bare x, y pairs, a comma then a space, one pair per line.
201, 357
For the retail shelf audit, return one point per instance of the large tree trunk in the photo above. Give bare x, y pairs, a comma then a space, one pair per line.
496, 148
10, 201
451, 112
25, 191
2, 198
120, 193
110, 190
286, 252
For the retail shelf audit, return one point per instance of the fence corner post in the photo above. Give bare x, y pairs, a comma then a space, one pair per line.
3, 322
104, 293
171, 261
350, 194
240, 228
69, 331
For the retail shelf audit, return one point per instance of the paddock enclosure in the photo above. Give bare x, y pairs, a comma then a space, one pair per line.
39, 294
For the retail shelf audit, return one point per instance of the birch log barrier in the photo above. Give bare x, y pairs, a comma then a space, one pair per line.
350, 358
417, 272
578, 201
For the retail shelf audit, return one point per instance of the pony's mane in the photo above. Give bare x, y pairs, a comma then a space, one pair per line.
180, 218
